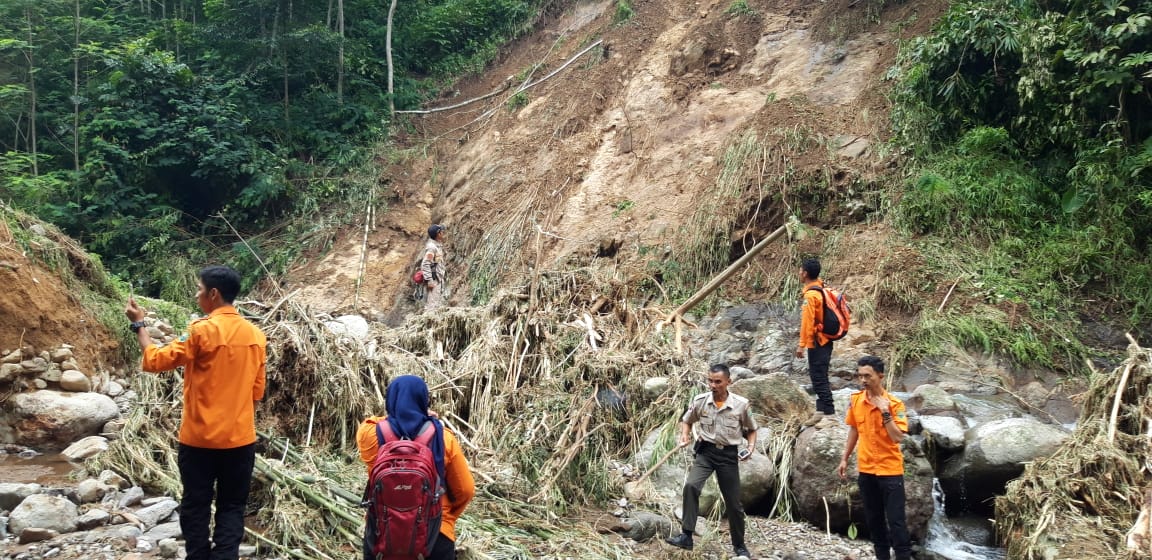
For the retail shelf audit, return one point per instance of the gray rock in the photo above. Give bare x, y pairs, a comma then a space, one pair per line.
85, 448
112, 479
739, 373
14, 357
39, 384
92, 490
8, 372
131, 497
62, 353
45, 512
70, 363
75, 381
36, 534
168, 548
247, 551
995, 453
929, 399
757, 480
52, 375
113, 389
34, 366
3, 528
945, 432
656, 386
152, 515
774, 395
153, 500
53, 417
352, 326
93, 518
169, 530
12, 493
642, 526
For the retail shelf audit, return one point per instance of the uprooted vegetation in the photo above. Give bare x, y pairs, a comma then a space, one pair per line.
543, 385
1082, 500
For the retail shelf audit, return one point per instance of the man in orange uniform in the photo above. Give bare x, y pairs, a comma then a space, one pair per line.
813, 340
407, 402
223, 356
877, 422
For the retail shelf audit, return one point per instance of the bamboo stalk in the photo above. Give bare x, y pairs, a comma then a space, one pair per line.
1116, 402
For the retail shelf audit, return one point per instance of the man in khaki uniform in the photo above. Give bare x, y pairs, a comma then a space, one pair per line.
722, 421
432, 265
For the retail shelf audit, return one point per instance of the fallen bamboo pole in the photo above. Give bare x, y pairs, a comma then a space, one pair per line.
677, 317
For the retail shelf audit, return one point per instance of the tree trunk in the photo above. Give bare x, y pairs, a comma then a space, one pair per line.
32, 94
76, 92
340, 59
388, 55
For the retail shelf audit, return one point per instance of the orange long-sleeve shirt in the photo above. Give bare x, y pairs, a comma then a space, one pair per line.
223, 357
812, 315
459, 481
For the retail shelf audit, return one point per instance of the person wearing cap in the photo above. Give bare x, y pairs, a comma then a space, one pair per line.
878, 422
723, 420
432, 265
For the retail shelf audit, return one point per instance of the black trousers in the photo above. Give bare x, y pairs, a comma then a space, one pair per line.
227, 474
884, 513
726, 465
443, 549
818, 360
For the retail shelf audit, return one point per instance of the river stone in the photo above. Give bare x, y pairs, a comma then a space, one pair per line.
35, 366
168, 548
656, 386
773, 395
92, 518
113, 389
353, 326
169, 530
92, 490
68, 364
131, 497
757, 480
152, 515
642, 526
929, 399
36, 534
45, 512
945, 432
995, 453
12, 493
14, 357
112, 479
8, 372
62, 353
75, 381
247, 551
737, 373
57, 418
85, 448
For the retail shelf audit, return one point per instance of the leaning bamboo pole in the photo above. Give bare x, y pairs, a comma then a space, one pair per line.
676, 317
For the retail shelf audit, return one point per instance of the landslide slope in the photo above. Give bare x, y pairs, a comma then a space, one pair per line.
687, 132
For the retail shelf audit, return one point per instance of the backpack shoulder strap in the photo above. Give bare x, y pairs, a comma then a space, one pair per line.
427, 432
384, 433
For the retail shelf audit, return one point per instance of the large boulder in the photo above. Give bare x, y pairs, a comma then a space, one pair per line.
54, 418
757, 481
945, 432
929, 399
774, 395
45, 512
830, 503
995, 453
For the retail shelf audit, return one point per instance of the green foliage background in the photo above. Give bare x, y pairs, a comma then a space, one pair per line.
1028, 125
148, 130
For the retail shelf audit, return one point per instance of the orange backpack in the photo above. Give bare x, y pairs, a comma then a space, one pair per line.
837, 314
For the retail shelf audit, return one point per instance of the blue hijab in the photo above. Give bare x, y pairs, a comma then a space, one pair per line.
406, 402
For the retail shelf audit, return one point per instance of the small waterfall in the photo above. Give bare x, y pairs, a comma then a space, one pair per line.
945, 536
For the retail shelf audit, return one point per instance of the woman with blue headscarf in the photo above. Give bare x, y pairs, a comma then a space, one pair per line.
406, 404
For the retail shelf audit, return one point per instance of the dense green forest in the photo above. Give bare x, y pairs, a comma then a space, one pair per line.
1029, 129
148, 128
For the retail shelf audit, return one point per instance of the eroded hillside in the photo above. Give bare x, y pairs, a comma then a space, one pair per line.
683, 122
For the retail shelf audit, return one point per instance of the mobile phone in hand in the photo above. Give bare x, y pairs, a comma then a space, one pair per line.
743, 454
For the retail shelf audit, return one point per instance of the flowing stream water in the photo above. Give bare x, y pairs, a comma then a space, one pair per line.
959, 538
45, 469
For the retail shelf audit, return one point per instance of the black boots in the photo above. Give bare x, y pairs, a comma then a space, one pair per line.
683, 540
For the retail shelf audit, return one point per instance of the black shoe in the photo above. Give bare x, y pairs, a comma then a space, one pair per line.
742, 551
683, 540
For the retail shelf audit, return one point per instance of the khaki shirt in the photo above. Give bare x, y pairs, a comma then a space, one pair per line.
724, 426
433, 261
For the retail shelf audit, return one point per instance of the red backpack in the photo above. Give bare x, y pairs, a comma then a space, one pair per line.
403, 496
837, 314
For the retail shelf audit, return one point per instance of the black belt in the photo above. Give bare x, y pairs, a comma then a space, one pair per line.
704, 444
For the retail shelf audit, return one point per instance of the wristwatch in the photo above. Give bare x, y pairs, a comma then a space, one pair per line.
136, 326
